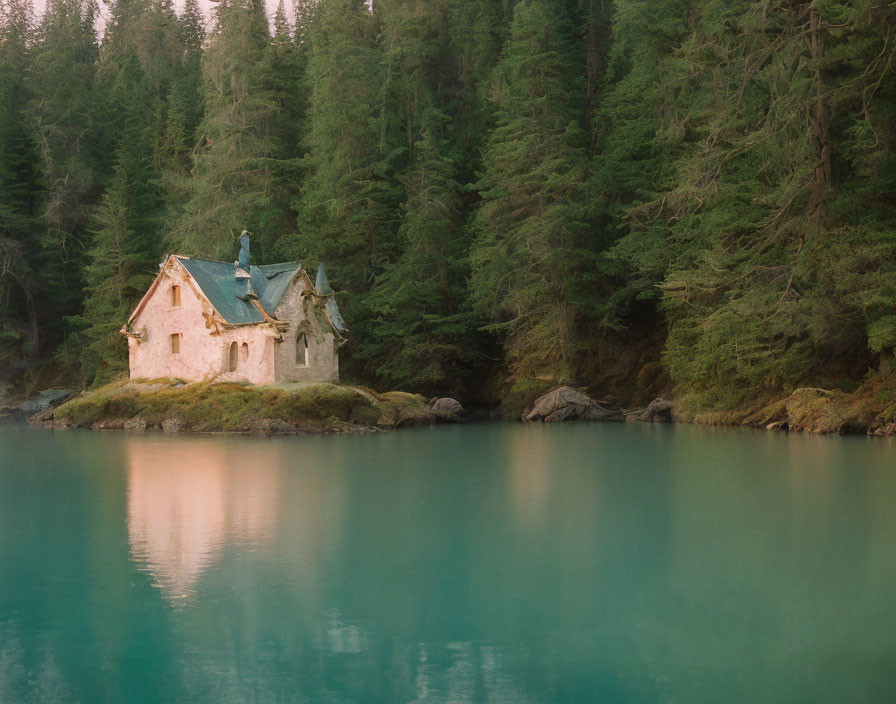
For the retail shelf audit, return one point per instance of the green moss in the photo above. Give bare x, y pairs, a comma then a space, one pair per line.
239, 407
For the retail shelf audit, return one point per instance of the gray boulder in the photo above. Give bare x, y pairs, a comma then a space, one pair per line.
447, 410
659, 411
565, 404
172, 425
44, 400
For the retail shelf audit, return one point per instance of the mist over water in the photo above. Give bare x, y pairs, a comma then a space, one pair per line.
482, 563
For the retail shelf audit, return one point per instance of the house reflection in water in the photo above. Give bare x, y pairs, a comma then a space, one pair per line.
188, 500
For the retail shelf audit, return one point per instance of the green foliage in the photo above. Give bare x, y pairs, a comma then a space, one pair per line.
761, 221
232, 185
126, 244
422, 338
504, 192
20, 191
531, 252
350, 192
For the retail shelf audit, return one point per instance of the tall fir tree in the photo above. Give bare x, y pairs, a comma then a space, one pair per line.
140, 58
183, 110
350, 192
20, 188
126, 244
531, 256
63, 114
762, 211
633, 136
231, 187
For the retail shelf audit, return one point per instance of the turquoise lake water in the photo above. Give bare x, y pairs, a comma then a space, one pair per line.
496, 563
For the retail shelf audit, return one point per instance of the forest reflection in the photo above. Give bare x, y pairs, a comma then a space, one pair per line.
469, 564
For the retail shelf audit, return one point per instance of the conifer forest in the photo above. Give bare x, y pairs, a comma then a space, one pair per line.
623, 195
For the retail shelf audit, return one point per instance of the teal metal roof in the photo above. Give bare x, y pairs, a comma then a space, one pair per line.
217, 281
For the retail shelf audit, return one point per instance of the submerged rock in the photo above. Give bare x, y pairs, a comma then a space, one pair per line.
447, 410
565, 404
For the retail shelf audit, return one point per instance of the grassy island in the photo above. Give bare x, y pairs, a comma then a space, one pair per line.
174, 405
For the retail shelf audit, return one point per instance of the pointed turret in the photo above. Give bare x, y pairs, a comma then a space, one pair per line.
324, 289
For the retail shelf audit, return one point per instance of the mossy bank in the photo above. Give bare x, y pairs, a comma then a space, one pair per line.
175, 406
869, 409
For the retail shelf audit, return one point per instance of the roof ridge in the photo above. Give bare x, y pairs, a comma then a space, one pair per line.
291, 264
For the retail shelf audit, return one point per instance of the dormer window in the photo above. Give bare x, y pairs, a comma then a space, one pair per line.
302, 350
175, 296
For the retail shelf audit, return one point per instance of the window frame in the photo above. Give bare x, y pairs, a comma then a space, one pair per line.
233, 356
305, 360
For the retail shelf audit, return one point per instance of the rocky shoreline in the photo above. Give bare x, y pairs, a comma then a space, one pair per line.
288, 409
175, 406
869, 410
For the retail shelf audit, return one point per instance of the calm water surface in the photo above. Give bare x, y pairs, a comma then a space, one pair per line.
488, 563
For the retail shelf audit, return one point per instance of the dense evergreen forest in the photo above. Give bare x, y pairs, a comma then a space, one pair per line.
620, 194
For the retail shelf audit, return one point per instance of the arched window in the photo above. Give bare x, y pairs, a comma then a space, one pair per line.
244, 352
175, 296
234, 352
302, 349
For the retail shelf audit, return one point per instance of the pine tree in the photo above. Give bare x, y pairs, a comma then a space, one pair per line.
422, 337
418, 339
476, 33
760, 288
304, 12
231, 187
285, 64
19, 188
63, 115
530, 253
350, 193
634, 134
183, 110
125, 247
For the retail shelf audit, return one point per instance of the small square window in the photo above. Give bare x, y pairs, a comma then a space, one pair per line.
175, 343
175, 296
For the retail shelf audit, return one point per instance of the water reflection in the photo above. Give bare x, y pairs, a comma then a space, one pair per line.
474, 564
24, 678
187, 500
531, 464
465, 672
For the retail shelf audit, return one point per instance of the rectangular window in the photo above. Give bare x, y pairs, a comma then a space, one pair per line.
302, 349
175, 343
175, 296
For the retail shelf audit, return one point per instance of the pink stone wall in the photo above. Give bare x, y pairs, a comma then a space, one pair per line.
206, 356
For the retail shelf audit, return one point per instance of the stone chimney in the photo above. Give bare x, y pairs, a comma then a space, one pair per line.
242, 284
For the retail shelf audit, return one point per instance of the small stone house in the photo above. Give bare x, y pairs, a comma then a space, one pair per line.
207, 320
